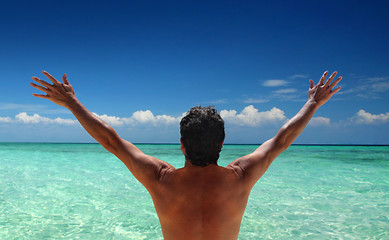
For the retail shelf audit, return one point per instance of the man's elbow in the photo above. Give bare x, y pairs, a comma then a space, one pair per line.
281, 143
106, 144
109, 140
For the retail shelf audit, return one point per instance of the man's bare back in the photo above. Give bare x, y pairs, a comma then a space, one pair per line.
201, 200
201, 203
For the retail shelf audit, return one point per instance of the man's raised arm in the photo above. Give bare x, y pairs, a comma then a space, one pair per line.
145, 168
254, 165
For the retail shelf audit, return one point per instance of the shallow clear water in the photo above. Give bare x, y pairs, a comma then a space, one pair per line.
51, 191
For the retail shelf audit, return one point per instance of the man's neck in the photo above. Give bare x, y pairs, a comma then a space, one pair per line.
189, 165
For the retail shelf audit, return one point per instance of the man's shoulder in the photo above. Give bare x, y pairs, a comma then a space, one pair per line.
214, 170
165, 173
236, 170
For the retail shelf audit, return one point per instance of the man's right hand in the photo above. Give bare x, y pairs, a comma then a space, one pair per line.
59, 93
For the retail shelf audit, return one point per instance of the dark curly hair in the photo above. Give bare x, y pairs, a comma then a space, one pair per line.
202, 133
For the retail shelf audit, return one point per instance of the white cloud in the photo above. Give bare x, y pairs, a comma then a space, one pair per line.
380, 87
111, 120
167, 119
5, 119
286, 90
373, 87
255, 100
274, 83
140, 117
377, 79
250, 116
36, 118
298, 76
319, 121
143, 116
24, 117
218, 101
363, 117
148, 117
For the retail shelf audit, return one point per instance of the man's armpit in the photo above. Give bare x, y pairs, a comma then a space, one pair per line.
164, 173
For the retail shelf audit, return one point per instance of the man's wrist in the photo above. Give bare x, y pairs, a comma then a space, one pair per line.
313, 104
72, 103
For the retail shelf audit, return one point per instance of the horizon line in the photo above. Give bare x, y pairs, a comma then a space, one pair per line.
170, 143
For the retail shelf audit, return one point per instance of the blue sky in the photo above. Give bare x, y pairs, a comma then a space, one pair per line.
141, 64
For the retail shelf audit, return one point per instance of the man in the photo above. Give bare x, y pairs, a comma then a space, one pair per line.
201, 200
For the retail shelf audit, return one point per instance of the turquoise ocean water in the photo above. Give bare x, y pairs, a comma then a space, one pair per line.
80, 191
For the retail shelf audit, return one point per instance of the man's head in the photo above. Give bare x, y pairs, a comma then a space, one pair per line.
202, 135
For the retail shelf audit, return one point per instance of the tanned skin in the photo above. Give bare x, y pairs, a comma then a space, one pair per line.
193, 202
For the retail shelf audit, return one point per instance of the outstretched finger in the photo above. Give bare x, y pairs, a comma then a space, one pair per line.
65, 79
43, 89
311, 83
323, 77
333, 84
52, 79
41, 82
335, 90
40, 95
331, 78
